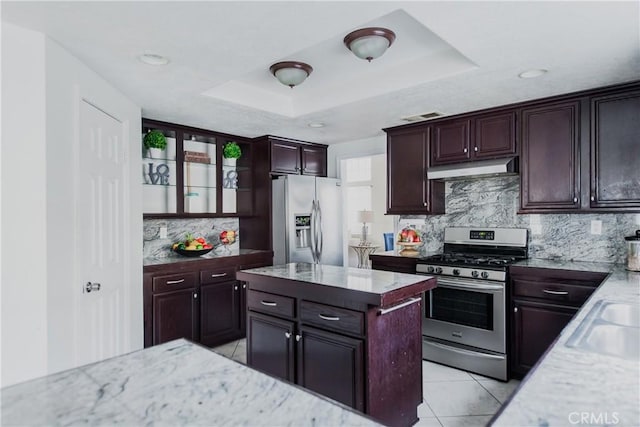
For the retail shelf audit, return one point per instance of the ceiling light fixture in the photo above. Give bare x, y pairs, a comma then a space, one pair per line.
291, 73
369, 43
530, 74
316, 125
152, 59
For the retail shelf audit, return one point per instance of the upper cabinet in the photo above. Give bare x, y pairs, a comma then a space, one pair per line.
297, 157
408, 189
550, 171
615, 151
475, 137
191, 177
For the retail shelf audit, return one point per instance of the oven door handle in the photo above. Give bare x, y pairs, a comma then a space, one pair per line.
463, 351
474, 286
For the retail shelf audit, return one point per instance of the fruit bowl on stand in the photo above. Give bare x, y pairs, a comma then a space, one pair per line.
409, 248
410, 240
227, 238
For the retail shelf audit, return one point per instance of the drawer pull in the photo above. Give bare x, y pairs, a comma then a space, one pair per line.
219, 275
549, 291
268, 303
332, 318
396, 307
174, 282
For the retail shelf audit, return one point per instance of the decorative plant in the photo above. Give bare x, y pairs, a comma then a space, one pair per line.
155, 139
231, 150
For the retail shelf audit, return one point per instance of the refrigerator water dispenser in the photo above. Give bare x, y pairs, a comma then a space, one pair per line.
303, 230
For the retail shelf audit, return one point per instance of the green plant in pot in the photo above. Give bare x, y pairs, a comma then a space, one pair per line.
231, 153
155, 143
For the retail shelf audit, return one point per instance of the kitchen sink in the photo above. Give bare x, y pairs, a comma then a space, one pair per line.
621, 314
610, 328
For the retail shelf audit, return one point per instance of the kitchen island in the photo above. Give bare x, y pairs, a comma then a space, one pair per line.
350, 334
176, 383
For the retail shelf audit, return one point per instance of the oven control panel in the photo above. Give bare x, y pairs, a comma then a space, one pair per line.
482, 235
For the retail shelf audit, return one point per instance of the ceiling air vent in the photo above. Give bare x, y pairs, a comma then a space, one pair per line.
425, 116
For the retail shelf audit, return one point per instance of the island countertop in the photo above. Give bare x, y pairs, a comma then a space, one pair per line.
176, 383
374, 287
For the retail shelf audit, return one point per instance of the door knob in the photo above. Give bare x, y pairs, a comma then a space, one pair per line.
91, 287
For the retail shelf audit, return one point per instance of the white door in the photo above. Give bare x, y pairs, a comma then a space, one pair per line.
102, 244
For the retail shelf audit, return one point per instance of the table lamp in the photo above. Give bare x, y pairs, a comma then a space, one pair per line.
365, 217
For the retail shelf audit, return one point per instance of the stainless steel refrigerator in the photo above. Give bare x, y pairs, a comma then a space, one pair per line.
307, 220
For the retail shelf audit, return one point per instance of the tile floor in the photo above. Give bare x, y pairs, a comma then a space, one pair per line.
452, 398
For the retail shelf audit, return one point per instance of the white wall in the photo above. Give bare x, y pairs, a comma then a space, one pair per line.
24, 187
40, 87
358, 148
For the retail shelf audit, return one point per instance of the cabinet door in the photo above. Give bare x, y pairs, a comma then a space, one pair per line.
451, 142
285, 157
270, 345
220, 313
615, 151
407, 184
535, 328
175, 316
550, 170
332, 365
314, 161
495, 136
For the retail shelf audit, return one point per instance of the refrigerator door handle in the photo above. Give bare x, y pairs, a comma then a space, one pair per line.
313, 231
319, 233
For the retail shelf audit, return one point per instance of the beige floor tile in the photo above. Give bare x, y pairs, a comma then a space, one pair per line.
436, 372
500, 390
472, 421
459, 398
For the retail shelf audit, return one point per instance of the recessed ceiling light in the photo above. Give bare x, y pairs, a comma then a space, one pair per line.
152, 59
316, 125
530, 74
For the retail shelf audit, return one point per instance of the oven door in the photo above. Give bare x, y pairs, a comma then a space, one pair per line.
466, 311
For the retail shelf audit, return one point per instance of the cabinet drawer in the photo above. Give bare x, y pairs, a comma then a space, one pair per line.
333, 318
271, 304
174, 282
217, 275
552, 291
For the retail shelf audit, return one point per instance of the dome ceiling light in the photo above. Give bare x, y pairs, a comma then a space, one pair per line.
369, 43
291, 73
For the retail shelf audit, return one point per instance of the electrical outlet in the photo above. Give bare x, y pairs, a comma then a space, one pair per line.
596, 227
163, 232
637, 219
536, 229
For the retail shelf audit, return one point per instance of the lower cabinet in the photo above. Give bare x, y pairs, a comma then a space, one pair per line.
176, 315
270, 347
535, 327
543, 301
221, 313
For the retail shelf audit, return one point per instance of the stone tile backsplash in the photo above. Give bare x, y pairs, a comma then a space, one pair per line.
177, 229
494, 202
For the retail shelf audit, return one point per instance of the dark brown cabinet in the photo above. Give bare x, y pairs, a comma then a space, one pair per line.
393, 263
550, 173
270, 347
543, 301
176, 315
408, 189
297, 157
199, 300
332, 365
615, 151
476, 137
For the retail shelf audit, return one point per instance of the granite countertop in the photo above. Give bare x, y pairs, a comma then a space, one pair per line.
569, 381
374, 282
175, 258
176, 383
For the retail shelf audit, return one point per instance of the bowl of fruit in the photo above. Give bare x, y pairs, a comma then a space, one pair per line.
409, 239
228, 237
192, 247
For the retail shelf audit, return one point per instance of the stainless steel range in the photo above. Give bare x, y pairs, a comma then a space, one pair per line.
464, 322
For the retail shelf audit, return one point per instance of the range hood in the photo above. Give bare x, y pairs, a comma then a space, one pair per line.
474, 169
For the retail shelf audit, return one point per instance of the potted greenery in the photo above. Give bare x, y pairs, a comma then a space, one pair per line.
231, 153
155, 143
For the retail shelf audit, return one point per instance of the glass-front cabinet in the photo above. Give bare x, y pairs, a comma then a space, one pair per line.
188, 176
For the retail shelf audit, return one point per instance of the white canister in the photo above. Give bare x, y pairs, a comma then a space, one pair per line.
633, 251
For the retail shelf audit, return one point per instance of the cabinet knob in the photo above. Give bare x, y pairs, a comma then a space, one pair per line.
425, 203
244, 286
235, 288
195, 295
298, 337
593, 198
515, 309
465, 149
575, 200
475, 148
287, 335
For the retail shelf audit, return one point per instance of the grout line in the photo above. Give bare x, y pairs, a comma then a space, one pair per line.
489, 391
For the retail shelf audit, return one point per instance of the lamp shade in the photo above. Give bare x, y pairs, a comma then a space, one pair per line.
291, 73
369, 43
365, 216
